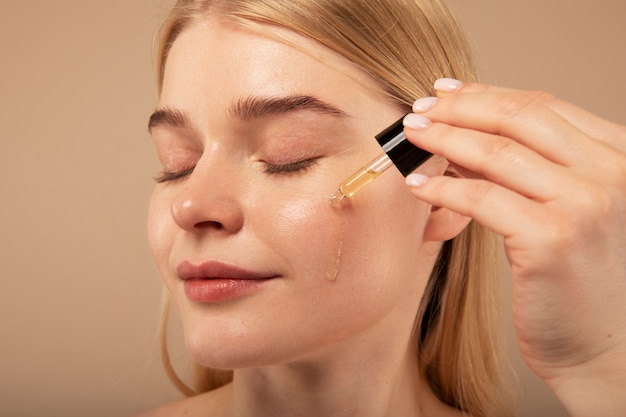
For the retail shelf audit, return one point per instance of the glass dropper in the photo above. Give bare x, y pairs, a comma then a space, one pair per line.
398, 151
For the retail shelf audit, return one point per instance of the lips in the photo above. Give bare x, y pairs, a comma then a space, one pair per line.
215, 270
214, 282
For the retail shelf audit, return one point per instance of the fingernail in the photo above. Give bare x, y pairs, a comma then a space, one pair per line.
416, 121
424, 104
415, 180
448, 85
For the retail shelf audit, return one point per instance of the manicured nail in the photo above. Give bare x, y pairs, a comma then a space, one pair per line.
416, 121
448, 85
415, 180
424, 104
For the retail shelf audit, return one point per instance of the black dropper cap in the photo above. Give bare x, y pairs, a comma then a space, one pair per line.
405, 156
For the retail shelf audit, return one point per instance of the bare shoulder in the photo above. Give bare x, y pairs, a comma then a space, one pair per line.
210, 404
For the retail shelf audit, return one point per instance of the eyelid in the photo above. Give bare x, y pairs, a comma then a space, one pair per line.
168, 176
290, 167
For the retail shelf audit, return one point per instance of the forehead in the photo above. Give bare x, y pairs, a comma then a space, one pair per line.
225, 58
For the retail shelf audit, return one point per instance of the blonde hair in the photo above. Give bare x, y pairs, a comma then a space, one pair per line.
403, 45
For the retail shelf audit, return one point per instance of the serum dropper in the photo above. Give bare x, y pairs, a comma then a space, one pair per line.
397, 150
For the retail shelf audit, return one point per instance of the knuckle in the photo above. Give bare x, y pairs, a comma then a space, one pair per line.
516, 103
542, 97
563, 232
589, 210
512, 104
593, 203
558, 232
610, 170
476, 87
497, 149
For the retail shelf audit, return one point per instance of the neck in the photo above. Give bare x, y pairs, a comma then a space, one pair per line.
373, 380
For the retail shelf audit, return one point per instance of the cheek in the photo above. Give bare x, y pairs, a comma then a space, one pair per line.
160, 231
298, 214
382, 239
303, 232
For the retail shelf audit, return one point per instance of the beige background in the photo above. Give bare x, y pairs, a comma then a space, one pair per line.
79, 296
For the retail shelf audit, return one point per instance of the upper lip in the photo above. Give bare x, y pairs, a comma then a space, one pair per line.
211, 270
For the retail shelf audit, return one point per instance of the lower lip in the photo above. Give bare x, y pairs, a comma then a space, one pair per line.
221, 289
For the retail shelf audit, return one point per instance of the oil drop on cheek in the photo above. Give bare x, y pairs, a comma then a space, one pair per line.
333, 270
335, 230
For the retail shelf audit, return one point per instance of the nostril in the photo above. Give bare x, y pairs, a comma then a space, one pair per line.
209, 225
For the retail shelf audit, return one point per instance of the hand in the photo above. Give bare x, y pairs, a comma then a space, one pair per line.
551, 179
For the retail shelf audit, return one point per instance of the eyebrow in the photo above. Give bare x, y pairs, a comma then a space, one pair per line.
250, 108
255, 107
168, 116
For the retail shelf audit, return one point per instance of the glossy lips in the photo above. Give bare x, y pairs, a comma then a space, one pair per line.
213, 282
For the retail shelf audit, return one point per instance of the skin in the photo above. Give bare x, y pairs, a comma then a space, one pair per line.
356, 354
551, 179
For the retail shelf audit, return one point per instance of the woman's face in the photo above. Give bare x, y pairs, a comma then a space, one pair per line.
253, 136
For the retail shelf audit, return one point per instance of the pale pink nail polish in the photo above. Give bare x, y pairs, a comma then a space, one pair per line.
415, 180
448, 85
416, 121
424, 104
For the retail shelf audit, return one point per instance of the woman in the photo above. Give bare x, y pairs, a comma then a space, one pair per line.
385, 304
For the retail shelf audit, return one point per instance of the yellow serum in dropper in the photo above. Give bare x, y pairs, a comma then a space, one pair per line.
397, 150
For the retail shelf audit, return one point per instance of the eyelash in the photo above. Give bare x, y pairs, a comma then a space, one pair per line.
167, 176
291, 167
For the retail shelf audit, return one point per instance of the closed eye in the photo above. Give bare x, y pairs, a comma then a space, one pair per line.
167, 176
290, 167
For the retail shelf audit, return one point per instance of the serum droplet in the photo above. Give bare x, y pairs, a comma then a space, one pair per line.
332, 274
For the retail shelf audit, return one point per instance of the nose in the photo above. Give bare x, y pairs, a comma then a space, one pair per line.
208, 202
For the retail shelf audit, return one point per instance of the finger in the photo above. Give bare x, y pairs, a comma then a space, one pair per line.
607, 132
493, 157
518, 116
498, 209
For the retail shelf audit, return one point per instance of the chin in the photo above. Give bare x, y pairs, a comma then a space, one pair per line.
233, 356
230, 344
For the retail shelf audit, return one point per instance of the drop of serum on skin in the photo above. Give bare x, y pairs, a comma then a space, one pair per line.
335, 261
331, 275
